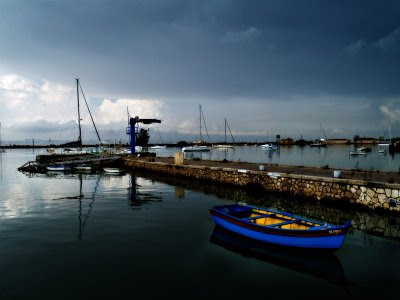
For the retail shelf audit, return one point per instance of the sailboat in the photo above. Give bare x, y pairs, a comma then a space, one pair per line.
320, 142
386, 142
75, 147
200, 144
225, 145
1, 149
269, 146
158, 147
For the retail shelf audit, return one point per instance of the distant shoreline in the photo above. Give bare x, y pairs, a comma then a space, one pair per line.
30, 146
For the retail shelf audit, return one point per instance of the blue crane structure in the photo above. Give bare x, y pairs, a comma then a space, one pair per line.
132, 130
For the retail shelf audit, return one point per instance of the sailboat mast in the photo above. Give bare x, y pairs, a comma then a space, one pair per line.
90, 114
323, 131
201, 137
160, 136
230, 131
225, 130
79, 114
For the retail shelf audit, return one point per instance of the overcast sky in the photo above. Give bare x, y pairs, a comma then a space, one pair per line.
269, 67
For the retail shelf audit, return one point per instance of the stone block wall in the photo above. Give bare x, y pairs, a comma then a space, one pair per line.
370, 194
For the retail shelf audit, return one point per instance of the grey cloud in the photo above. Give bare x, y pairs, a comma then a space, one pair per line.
354, 48
390, 41
247, 35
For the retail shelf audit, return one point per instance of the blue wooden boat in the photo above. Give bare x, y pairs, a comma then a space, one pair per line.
281, 228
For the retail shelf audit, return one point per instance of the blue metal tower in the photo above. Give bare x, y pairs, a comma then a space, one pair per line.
133, 122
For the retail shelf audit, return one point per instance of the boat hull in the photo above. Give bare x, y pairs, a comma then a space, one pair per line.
113, 170
313, 239
57, 167
223, 147
196, 149
358, 153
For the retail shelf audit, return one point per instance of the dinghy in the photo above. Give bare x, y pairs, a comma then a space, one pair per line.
281, 228
83, 168
114, 170
57, 167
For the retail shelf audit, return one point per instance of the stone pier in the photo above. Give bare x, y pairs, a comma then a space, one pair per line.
371, 194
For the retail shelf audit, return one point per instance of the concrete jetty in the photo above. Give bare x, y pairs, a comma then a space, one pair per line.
371, 189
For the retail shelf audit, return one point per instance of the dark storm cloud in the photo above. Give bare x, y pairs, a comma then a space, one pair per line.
210, 48
304, 53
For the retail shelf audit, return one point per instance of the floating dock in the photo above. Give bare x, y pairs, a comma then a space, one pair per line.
95, 161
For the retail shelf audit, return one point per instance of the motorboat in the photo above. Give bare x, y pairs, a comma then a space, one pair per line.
269, 146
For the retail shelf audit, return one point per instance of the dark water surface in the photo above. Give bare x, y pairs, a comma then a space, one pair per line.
68, 236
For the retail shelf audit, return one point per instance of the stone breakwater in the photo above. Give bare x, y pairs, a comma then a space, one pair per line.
374, 195
372, 222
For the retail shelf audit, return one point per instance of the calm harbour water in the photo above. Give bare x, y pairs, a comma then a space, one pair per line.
333, 156
68, 236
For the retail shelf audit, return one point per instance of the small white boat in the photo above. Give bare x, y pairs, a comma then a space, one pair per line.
57, 167
195, 148
113, 170
83, 168
223, 146
381, 151
269, 146
157, 147
317, 145
358, 153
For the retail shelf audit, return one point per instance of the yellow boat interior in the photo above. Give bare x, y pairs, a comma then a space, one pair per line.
272, 219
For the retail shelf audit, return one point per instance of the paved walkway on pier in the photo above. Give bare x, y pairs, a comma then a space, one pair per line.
367, 175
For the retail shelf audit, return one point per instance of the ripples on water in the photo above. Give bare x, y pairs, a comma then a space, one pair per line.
141, 235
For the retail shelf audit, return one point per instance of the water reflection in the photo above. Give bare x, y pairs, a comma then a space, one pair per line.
325, 266
179, 192
82, 216
137, 198
1, 166
82, 223
372, 222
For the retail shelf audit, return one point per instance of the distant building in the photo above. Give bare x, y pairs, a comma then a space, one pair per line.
337, 141
366, 140
287, 141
